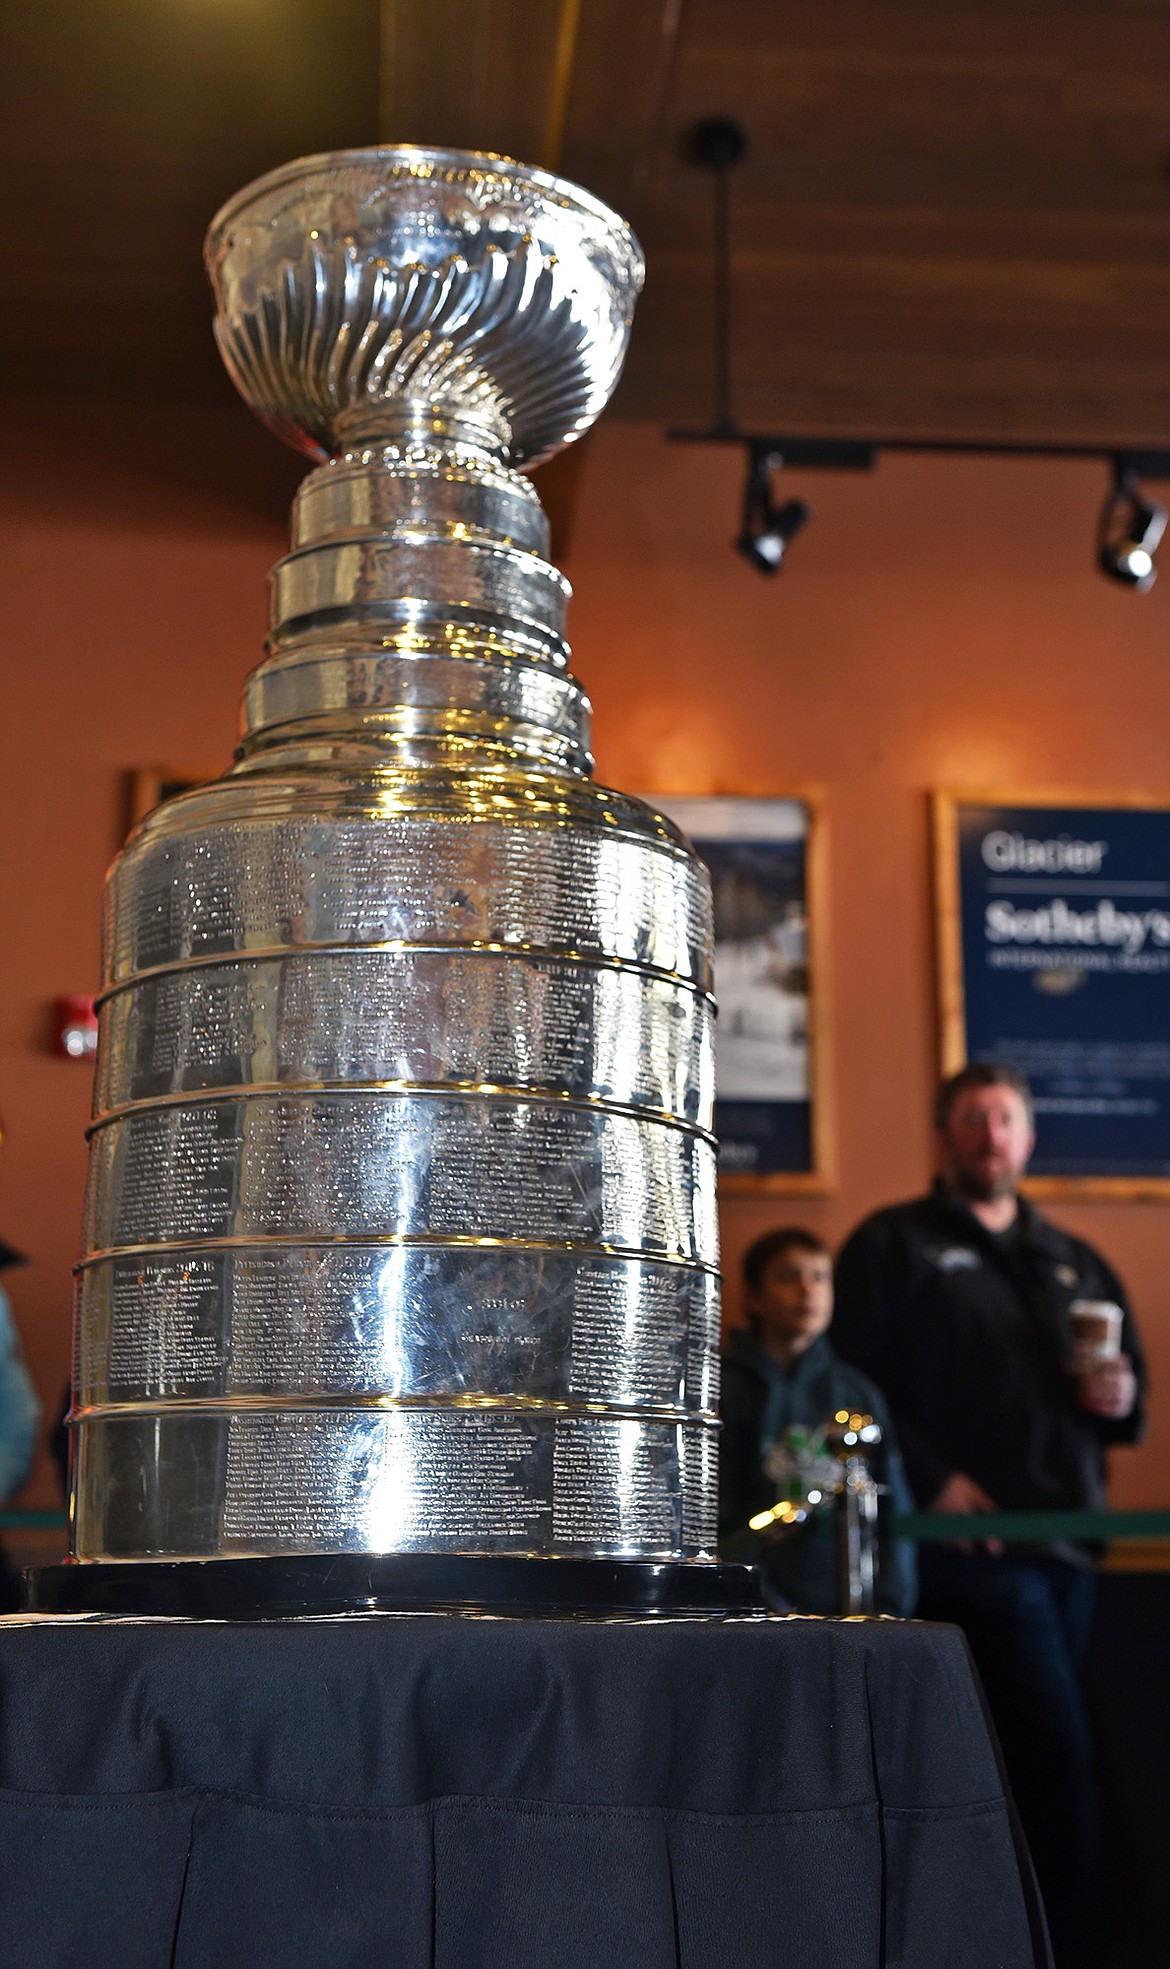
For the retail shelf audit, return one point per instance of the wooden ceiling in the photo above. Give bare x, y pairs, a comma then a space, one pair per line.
952, 220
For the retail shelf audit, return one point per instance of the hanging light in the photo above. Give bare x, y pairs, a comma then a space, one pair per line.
768, 530
1129, 532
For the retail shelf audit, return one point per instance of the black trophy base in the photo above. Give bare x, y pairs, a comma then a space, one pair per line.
394, 1582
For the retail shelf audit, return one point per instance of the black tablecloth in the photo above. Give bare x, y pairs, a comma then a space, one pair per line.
446, 1793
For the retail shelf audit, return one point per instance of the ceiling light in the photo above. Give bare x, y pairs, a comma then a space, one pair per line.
768, 530
1130, 530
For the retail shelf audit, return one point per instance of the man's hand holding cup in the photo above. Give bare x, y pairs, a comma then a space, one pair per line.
1106, 1382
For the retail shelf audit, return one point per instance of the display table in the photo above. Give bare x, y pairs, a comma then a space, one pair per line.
450, 1793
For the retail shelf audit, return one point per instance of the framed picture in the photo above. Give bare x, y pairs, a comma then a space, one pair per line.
1054, 955
766, 858
150, 785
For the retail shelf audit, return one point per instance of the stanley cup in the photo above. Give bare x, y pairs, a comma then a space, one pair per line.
400, 1228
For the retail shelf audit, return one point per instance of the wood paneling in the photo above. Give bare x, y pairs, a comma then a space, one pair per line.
473, 74
952, 220
124, 124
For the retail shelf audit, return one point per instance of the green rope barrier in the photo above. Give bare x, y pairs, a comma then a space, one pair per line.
1035, 1527
33, 1521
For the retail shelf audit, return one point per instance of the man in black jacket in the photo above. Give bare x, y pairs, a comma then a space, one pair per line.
958, 1305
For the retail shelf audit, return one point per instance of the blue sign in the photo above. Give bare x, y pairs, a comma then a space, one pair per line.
1064, 917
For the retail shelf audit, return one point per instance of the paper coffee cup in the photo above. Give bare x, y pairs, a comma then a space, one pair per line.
1096, 1333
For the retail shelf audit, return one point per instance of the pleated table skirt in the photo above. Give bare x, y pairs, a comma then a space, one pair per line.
453, 1793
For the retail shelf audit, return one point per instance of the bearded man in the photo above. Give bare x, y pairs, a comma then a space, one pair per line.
958, 1306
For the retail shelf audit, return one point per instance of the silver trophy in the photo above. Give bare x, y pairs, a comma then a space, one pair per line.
400, 1240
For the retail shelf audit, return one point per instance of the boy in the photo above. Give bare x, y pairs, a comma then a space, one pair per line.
783, 1374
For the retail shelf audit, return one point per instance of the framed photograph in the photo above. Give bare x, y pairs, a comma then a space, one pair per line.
1054, 955
766, 858
149, 786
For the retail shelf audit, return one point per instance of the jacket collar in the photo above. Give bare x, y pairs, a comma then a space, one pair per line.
747, 1352
1035, 1230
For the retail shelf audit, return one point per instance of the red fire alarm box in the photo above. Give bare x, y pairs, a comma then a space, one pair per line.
75, 1027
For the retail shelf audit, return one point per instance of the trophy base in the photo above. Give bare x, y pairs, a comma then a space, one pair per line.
395, 1582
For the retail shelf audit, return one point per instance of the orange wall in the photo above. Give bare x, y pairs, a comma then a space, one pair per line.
940, 624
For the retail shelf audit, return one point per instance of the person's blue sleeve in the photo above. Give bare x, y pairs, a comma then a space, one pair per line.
20, 1411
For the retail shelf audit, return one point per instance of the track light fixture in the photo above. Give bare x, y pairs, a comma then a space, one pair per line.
1130, 526
1130, 530
768, 530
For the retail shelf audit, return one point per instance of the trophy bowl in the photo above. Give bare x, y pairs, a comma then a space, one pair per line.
488, 293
